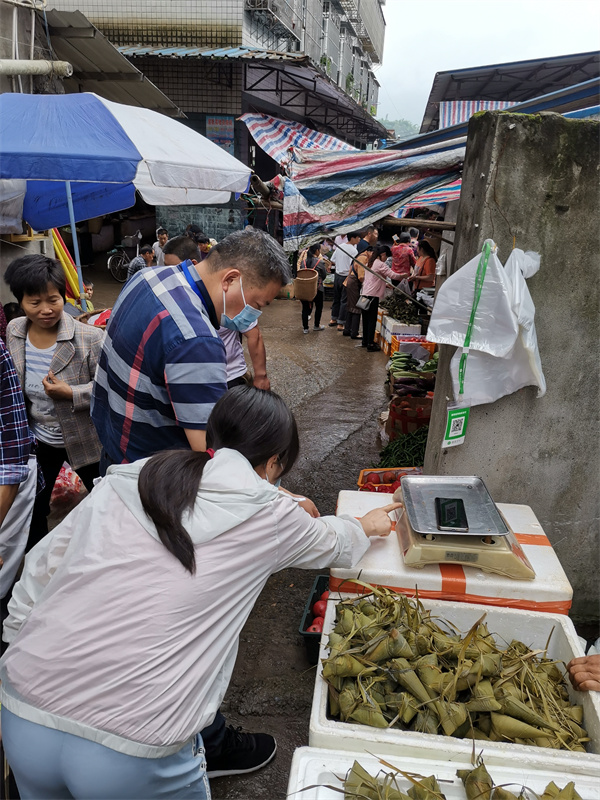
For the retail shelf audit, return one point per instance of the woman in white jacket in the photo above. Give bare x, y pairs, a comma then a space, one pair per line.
124, 628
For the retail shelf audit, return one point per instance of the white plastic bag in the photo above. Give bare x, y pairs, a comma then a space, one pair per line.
495, 327
488, 377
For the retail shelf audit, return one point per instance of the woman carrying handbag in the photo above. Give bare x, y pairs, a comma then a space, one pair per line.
373, 290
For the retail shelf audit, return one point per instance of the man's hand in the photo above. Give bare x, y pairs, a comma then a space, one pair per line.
262, 382
377, 522
584, 673
55, 389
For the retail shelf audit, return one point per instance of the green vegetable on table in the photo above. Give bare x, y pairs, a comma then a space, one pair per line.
408, 450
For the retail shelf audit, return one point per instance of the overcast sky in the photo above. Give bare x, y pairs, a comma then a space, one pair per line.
437, 35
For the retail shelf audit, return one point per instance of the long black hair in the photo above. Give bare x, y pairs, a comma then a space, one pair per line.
256, 423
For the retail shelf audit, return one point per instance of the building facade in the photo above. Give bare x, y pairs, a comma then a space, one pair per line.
343, 37
308, 61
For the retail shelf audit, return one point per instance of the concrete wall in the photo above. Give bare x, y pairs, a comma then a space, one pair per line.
533, 180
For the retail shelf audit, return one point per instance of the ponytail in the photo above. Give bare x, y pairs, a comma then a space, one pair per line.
256, 423
165, 507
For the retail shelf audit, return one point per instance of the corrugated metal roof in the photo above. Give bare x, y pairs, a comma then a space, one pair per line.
517, 81
571, 98
244, 52
309, 79
99, 67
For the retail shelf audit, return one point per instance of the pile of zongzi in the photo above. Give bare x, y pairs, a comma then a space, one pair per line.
477, 782
393, 665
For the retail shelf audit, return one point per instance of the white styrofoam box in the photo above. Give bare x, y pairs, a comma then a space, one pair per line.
396, 327
383, 565
532, 628
313, 766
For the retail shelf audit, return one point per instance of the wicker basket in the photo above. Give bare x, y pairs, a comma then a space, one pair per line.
306, 283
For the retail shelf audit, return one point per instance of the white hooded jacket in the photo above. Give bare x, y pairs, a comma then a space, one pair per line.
112, 639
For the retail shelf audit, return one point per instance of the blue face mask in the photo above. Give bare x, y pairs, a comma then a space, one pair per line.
242, 321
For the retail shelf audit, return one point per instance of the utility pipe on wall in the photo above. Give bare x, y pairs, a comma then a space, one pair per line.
14, 66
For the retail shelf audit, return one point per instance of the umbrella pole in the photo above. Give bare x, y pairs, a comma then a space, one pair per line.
75, 246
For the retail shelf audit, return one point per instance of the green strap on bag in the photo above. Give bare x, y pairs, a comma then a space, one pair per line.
479, 279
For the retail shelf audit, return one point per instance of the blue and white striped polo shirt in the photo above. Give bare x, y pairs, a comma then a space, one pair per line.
162, 366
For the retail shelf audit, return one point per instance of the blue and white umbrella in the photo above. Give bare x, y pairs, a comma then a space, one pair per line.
83, 156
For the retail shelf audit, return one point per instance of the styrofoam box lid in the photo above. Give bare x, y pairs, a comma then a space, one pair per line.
313, 766
383, 564
505, 624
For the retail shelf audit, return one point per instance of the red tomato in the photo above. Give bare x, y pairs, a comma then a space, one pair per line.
319, 608
388, 477
325, 595
395, 485
372, 477
316, 625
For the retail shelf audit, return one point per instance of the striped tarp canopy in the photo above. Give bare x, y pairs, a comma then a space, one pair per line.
453, 112
333, 193
277, 136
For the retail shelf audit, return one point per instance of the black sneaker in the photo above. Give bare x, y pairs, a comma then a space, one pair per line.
241, 753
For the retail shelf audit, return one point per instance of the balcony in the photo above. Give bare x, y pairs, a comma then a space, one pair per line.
366, 17
277, 15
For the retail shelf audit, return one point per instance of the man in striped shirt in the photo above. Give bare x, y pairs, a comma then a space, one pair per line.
162, 366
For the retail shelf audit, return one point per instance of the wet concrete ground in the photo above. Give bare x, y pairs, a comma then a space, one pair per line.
336, 393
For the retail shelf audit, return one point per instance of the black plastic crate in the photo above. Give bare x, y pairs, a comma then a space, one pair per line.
312, 640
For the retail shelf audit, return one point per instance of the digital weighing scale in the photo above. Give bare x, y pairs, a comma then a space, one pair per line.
453, 520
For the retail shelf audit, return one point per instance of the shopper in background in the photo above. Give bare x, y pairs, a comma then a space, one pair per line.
373, 289
414, 239
354, 283
423, 275
162, 237
343, 261
314, 260
109, 677
369, 236
89, 293
237, 370
18, 473
55, 359
403, 257
145, 259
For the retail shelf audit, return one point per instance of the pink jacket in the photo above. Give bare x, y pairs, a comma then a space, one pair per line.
372, 285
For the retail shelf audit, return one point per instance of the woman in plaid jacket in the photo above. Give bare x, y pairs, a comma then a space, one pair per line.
55, 358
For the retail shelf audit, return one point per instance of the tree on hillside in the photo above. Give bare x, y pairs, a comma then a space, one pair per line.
404, 128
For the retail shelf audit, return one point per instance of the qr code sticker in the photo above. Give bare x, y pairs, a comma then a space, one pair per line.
456, 428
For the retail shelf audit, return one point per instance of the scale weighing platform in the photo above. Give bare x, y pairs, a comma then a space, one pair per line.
384, 564
451, 520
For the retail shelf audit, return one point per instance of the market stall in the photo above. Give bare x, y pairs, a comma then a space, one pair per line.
443, 651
